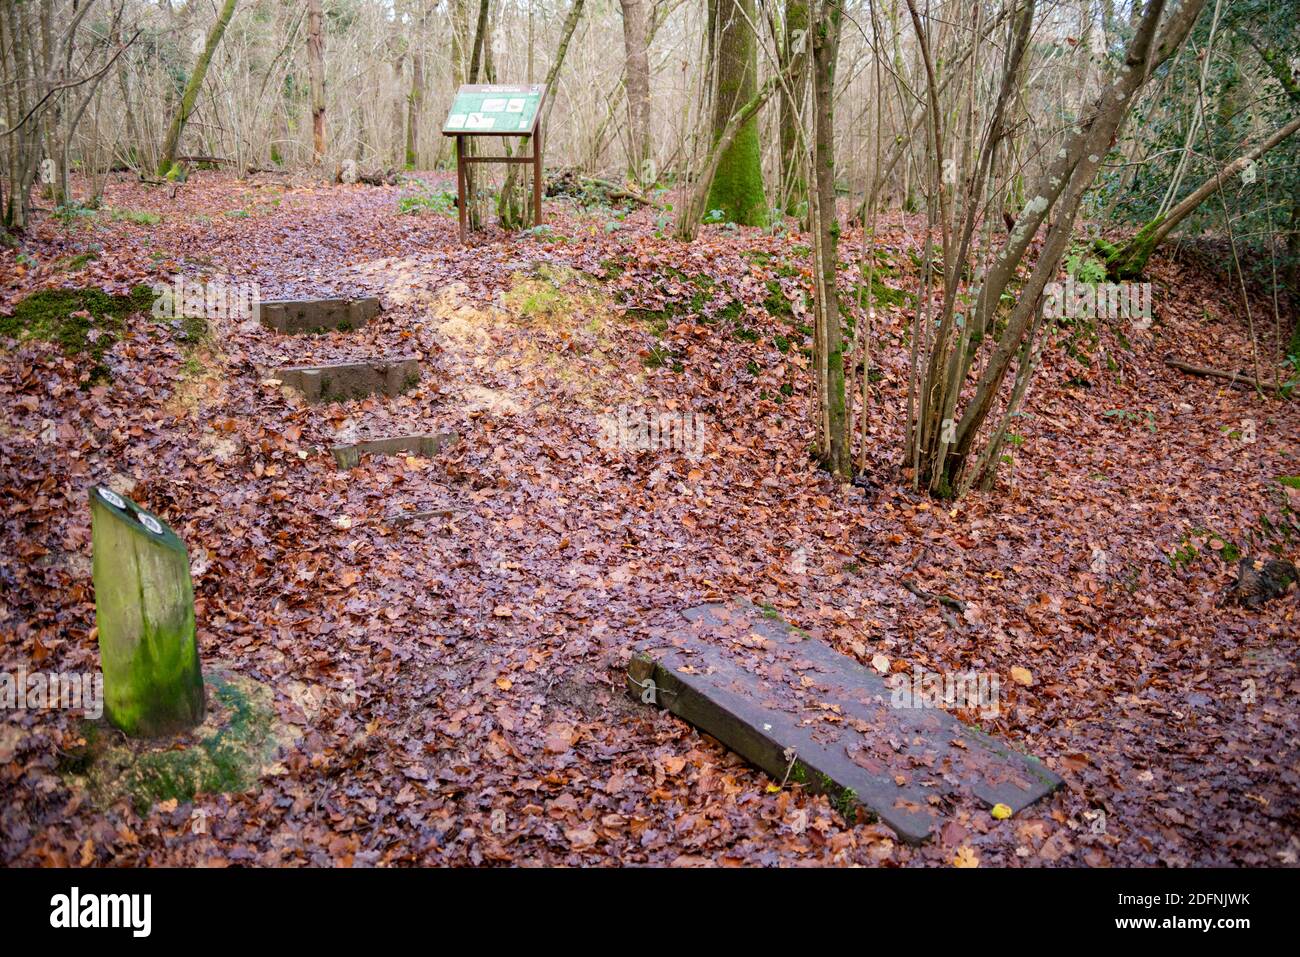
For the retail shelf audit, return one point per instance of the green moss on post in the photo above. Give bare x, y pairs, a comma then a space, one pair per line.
144, 608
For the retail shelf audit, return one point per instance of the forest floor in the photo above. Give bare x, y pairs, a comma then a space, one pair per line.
455, 685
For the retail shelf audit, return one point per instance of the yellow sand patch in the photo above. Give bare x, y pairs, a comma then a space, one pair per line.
200, 385
404, 280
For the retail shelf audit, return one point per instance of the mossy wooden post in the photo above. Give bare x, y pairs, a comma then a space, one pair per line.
144, 607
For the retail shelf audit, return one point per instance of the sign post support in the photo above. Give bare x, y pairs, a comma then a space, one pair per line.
496, 110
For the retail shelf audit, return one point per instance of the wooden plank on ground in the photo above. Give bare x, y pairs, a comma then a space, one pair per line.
803, 712
317, 315
426, 446
338, 381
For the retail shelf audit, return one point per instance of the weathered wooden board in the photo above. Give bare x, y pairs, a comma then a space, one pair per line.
317, 315
794, 706
427, 446
352, 380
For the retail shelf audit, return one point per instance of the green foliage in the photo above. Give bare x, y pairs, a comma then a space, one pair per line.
881, 294
1246, 98
776, 302
138, 216
1124, 415
846, 804
1189, 549
440, 201
69, 213
1083, 267
80, 261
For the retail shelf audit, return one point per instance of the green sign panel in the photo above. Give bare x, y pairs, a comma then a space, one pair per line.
495, 110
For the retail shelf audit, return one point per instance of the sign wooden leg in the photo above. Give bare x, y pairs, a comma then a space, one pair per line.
537, 175
463, 213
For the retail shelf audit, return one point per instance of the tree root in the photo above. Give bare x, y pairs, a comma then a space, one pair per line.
946, 600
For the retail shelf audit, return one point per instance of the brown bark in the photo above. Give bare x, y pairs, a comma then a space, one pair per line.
1060, 189
1234, 378
316, 71
415, 101
637, 67
825, 51
794, 47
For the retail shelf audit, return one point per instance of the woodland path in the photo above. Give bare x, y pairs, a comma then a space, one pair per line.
458, 680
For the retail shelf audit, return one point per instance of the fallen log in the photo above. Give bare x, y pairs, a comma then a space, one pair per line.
592, 190
210, 160
349, 174
1234, 378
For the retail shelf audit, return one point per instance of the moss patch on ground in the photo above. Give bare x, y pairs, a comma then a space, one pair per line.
580, 341
80, 321
881, 294
227, 753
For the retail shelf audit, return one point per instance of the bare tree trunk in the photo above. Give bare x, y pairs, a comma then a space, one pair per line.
316, 72
637, 66
475, 60
943, 440
167, 157
415, 102
511, 206
794, 46
480, 35
835, 448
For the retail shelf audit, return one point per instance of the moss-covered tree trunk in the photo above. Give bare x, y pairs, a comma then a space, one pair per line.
144, 609
737, 187
191, 94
